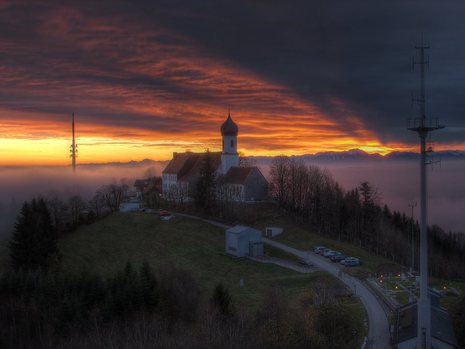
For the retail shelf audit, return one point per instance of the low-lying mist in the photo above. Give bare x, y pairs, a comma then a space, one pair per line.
396, 181
18, 184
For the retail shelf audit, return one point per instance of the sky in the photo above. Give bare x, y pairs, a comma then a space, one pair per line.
147, 78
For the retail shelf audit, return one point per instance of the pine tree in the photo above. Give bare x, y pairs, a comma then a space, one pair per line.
34, 242
149, 287
205, 194
221, 299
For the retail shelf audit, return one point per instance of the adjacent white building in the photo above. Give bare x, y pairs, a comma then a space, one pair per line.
234, 183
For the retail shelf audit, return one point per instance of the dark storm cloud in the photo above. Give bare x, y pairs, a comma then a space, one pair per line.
349, 58
358, 51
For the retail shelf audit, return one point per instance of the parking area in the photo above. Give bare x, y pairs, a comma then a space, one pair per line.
337, 256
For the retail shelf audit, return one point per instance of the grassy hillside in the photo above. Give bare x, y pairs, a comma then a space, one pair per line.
302, 238
198, 247
299, 237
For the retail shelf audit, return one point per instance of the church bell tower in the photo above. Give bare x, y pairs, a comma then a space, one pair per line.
229, 156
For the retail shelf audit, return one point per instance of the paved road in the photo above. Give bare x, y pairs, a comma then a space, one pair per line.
285, 263
378, 324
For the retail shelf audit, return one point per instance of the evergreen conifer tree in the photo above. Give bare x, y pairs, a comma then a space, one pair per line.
205, 194
34, 242
149, 287
221, 299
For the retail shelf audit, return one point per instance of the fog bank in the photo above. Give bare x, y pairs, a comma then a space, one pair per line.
18, 184
397, 182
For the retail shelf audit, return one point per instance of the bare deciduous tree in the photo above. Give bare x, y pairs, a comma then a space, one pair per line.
76, 206
97, 203
114, 195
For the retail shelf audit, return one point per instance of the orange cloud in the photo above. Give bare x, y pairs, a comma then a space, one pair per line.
142, 93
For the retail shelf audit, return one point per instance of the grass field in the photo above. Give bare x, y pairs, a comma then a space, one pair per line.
304, 239
106, 246
192, 245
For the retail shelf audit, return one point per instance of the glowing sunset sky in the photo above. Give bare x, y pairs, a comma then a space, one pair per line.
148, 79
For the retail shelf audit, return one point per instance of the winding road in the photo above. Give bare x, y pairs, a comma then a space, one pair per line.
378, 323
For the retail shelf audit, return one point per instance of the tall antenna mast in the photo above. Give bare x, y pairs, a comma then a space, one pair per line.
73, 148
423, 127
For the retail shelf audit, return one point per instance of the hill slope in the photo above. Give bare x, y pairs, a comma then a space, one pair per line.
195, 246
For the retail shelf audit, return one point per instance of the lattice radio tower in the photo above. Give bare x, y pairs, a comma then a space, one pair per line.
423, 126
73, 148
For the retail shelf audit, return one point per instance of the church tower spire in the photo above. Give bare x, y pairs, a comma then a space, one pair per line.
229, 156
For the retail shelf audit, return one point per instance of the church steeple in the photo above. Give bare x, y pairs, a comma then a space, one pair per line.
229, 127
229, 157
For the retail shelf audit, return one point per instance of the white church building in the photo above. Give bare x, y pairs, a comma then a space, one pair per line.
234, 182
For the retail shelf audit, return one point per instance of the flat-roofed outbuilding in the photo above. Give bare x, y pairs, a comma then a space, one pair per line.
243, 241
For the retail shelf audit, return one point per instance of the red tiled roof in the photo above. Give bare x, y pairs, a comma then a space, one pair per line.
194, 171
187, 165
181, 163
237, 175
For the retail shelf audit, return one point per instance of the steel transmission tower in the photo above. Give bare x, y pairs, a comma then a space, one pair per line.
412, 227
423, 126
73, 148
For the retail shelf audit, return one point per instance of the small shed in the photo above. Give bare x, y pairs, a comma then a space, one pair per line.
243, 241
272, 231
129, 207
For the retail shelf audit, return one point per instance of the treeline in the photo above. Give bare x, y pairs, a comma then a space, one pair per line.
142, 308
67, 214
313, 197
41, 221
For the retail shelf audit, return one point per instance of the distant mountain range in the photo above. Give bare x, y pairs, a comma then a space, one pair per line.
329, 156
132, 163
360, 155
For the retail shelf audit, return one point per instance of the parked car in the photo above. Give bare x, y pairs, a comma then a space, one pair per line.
164, 213
338, 257
323, 251
318, 249
350, 262
305, 262
330, 253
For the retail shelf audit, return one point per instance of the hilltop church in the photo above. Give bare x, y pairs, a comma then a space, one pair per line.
234, 183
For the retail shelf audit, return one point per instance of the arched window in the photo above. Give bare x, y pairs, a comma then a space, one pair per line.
232, 143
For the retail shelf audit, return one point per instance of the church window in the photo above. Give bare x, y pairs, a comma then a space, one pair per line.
232, 143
